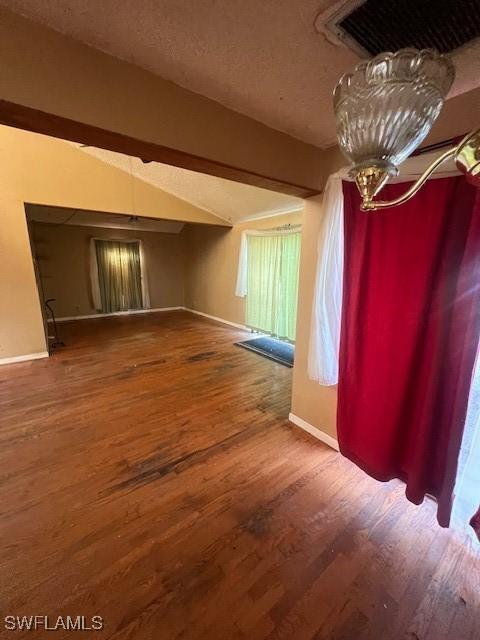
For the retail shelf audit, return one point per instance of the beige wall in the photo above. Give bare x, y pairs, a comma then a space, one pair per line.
313, 403
43, 170
211, 263
63, 254
21, 324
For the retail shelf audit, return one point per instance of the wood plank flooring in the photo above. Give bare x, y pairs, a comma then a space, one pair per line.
149, 475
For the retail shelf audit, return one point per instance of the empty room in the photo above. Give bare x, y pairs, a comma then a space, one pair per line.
240, 320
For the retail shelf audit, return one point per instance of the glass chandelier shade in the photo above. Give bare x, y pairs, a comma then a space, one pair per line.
386, 107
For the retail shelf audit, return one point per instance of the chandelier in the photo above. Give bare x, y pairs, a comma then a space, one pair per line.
385, 108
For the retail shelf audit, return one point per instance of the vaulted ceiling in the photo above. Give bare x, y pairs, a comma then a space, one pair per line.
233, 201
265, 59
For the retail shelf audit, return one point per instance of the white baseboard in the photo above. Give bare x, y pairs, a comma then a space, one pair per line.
313, 431
115, 313
24, 358
206, 315
135, 311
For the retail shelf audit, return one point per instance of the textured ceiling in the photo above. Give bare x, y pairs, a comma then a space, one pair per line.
229, 200
263, 58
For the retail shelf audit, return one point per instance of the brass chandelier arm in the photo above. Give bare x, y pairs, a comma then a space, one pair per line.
372, 205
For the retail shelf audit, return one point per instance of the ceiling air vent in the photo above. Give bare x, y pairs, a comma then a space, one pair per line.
373, 26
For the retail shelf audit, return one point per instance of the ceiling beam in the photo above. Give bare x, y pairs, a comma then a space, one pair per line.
52, 84
15, 115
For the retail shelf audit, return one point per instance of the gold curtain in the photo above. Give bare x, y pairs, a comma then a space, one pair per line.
119, 275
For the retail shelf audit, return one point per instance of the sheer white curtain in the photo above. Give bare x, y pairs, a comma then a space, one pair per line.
327, 302
242, 271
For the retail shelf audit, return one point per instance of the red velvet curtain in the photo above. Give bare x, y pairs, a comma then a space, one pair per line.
410, 330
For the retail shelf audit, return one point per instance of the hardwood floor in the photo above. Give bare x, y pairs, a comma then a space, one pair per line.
149, 475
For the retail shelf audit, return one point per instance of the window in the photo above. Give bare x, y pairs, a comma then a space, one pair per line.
272, 283
119, 275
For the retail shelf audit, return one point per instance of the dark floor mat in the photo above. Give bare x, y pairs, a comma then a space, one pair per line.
282, 352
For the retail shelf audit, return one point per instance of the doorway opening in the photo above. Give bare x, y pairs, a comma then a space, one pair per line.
92, 264
268, 276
